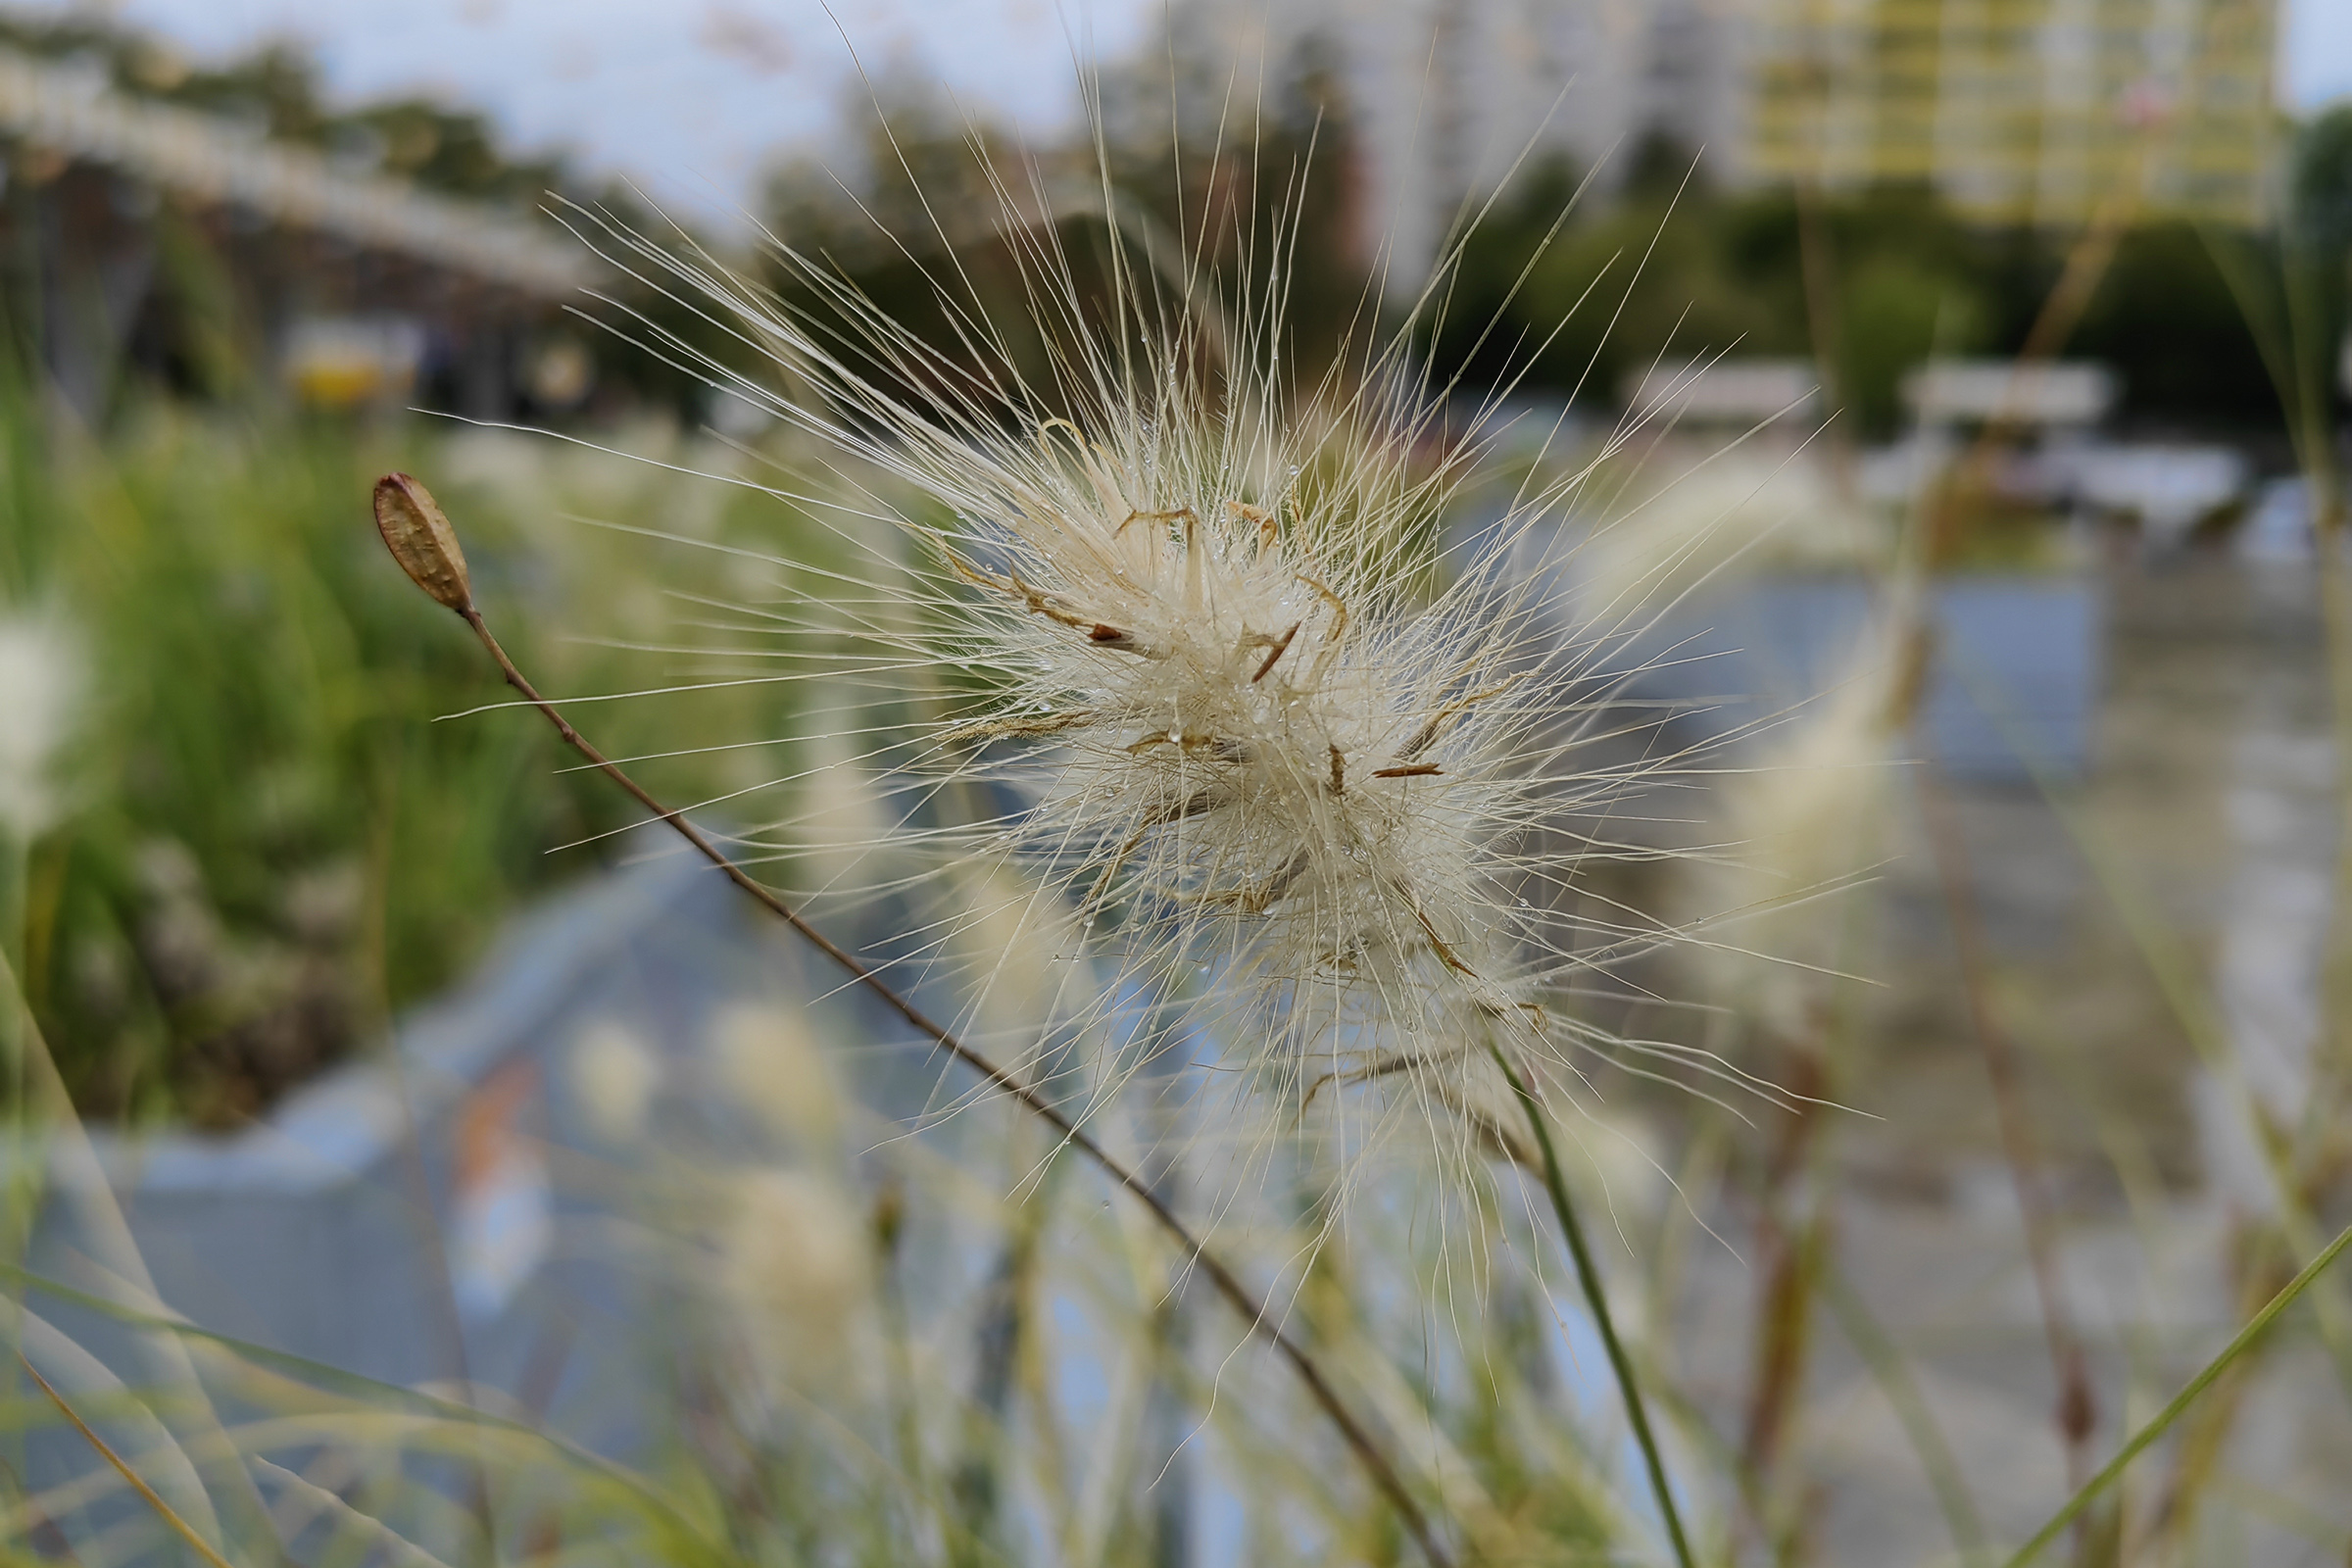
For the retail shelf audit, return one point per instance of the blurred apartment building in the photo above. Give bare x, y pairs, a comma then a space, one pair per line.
2017, 111
140, 236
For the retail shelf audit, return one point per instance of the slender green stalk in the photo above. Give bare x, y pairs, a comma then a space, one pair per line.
1587, 1275
2180, 1401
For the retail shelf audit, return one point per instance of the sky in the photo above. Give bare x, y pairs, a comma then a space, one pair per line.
690, 97
694, 97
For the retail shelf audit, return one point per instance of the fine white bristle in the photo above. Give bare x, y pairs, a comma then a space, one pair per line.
1204, 677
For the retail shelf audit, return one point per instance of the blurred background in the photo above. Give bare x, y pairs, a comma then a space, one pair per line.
1959, 384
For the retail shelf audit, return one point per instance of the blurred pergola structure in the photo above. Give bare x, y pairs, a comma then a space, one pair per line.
142, 230
2022, 111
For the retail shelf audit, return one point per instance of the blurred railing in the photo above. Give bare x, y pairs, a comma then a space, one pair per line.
72, 112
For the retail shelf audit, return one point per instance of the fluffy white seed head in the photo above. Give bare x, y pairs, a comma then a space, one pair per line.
1728, 513
1192, 660
615, 1079
796, 1265
1807, 818
1255, 748
772, 1062
41, 672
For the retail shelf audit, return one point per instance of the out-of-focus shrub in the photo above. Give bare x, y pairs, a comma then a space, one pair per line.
264, 842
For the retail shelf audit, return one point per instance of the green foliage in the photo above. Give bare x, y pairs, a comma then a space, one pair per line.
209, 316
1587, 302
919, 239
1580, 299
2319, 251
2321, 181
1193, 223
1897, 310
1584, 299
2166, 318
270, 844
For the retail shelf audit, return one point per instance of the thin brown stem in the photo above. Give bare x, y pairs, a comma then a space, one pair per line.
2087, 263
1789, 1256
1253, 1312
2075, 1412
163, 1510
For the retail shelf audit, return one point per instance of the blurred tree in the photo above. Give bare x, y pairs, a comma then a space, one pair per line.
2320, 187
211, 286
1676, 272
455, 150
1662, 272
2167, 318
918, 232
1004, 259
1898, 312
1601, 297
275, 90
1306, 208
2320, 217
1480, 330
1907, 279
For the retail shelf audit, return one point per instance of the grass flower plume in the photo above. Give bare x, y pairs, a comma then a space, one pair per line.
1255, 748
1207, 656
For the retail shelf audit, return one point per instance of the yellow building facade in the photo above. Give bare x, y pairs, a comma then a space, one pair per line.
2021, 111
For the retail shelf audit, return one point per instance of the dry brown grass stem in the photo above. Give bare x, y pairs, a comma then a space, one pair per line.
2061, 311
139, 1482
2087, 263
1260, 1318
2075, 1411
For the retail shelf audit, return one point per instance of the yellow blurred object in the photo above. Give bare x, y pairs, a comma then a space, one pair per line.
341, 362
561, 375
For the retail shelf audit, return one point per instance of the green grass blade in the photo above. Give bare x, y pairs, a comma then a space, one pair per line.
398, 1549
139, 1482
2180, 1401
1588, 1274
355, 1385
